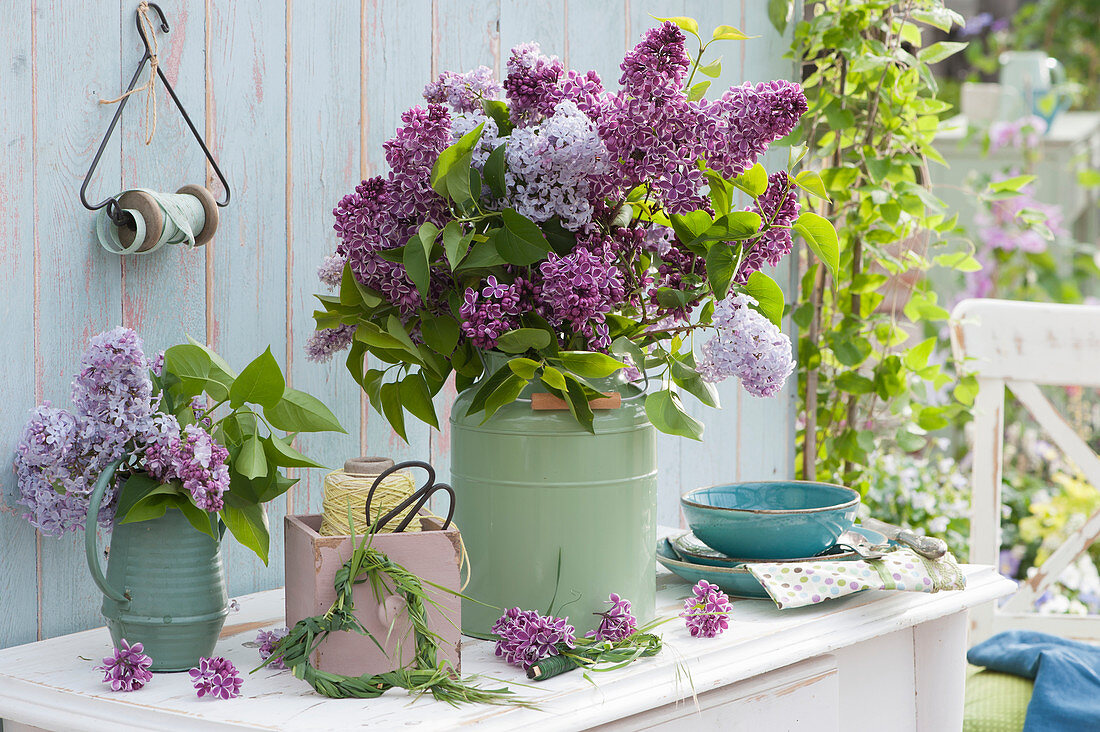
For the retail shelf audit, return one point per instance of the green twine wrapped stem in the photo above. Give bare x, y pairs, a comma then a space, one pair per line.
549, 667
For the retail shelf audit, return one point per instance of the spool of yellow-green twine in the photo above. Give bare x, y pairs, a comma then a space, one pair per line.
351, 486
189, 216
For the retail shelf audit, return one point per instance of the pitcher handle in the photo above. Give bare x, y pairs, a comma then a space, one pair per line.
90, 535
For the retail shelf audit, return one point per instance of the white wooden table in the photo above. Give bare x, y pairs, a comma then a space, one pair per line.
872, 661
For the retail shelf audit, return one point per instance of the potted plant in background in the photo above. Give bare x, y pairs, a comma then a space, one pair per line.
170, 451
553, 243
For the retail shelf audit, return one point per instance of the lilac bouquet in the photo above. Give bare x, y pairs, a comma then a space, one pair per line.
576, 231
185, 432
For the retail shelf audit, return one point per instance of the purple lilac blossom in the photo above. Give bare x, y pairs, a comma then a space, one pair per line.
127, 668
524, 636
324, 343
747, 119
217, 677
113, 391
748, 346
533, 84
580, 288
61, 454
464, 92
55, 470
194, 458
493, 311
778, 207
382, 213
550, 167
268, 639
616, 623
655, 68
706, 612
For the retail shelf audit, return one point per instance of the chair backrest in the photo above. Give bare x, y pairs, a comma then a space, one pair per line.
1019, 346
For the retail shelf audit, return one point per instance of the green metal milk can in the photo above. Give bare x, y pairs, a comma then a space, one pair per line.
164, 586
554, 517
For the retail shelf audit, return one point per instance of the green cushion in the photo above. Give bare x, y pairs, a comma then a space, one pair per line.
995, 702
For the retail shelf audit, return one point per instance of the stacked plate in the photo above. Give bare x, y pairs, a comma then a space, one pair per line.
778, 521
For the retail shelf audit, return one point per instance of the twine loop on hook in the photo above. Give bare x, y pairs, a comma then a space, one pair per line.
150, 37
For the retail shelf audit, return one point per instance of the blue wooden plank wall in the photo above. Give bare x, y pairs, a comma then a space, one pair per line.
295, 98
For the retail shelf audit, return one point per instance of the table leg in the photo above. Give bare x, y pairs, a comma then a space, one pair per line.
939, 667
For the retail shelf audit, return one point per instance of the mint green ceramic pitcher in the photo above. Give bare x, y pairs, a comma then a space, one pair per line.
552, 514
164, 585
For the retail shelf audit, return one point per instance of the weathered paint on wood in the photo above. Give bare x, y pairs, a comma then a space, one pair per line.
295, 98
19, 576
246, 294
322, 165
78, 284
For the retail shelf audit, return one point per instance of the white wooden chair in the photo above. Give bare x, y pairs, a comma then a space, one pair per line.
1019, 346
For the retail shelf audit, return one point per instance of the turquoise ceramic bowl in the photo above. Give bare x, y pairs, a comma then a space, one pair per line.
770, 520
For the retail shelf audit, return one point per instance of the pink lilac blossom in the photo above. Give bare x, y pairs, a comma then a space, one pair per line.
706, 612
748, 346
1022, 133
778, 207
464, 92
524, 636
217, 677
127, 668
1001, 227
580, 288
267, 640
194, 458
616, 623
324, 343
551, 165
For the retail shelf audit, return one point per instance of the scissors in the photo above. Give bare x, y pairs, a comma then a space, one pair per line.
416, 500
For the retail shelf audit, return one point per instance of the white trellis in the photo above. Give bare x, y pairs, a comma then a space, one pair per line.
1018, 346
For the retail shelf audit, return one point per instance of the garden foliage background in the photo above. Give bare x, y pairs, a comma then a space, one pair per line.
295, 99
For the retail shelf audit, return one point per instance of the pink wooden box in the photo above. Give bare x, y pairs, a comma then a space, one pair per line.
312, 561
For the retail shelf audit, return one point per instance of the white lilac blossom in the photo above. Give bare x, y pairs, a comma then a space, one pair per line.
323, 344
551, 166
489, 141
748, 346
331, 270
464, 92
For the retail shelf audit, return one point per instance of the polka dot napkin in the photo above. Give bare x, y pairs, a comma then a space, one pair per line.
796, 584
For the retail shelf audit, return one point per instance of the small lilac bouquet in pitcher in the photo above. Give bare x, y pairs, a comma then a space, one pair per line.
188, 431
577, 232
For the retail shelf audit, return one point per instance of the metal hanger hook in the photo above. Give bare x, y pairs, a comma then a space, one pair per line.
141, 31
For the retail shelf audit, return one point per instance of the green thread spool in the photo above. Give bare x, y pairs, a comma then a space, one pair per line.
188, 216
549, 667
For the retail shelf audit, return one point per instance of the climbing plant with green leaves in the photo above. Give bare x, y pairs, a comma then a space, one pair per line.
870, 335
